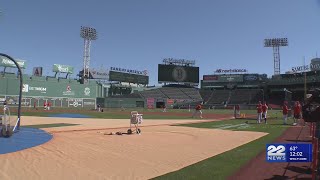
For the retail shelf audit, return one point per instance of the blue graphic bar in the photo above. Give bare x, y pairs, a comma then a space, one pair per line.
289, 152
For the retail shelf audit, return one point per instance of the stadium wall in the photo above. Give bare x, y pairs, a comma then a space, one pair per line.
124, 102
59, 92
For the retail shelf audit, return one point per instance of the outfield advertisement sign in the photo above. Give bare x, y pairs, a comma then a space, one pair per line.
99, 74
59, 68
5, 62
131, 71
231, 78
150, 103
210, 77
223, 71
223, 78
251, 77
311, 67
38, 101
126, 77
52, 89
36, 89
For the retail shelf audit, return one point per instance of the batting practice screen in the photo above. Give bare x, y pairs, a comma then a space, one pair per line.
126, 77
174, 73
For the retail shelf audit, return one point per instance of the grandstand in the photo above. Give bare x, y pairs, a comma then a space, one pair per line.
232, 97
153, 93
179, 88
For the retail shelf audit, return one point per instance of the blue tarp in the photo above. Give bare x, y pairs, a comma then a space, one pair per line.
23, 139
68, 115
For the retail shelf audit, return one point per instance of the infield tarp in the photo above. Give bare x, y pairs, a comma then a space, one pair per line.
25, 138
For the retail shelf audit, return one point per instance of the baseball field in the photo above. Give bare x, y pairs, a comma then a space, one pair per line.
172, 145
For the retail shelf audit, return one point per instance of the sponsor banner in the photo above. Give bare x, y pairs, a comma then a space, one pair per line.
37, 71
223, 78
5, 62
26, 88
126, 77
88, 103
231, 78
131, 71
170, 101
150, 103
224, 71
62, 68
314, 66
99, 74
178, 61
251, 77
210, 78
75, 102
39, 101
52, 89
300, 68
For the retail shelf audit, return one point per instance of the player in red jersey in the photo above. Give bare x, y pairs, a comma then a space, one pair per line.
285, 111
198, 110
264, 112
259, 111
296, 113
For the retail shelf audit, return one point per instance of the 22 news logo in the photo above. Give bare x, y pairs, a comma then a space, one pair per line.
276, 153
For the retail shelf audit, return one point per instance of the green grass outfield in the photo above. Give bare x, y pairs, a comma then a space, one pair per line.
118, 114
224, 165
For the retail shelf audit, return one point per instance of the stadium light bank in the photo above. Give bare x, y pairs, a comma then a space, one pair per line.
275, 43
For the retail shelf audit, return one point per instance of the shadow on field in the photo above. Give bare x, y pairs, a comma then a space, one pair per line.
278, 177
290, 140
300, 170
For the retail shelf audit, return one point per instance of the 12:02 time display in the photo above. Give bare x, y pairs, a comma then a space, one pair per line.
295, 153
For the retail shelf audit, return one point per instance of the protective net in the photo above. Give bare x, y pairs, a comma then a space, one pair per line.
8, 122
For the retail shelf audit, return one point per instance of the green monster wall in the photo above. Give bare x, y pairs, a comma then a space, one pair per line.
59, 93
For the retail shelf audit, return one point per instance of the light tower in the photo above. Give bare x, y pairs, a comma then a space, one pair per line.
275, 43
88, 34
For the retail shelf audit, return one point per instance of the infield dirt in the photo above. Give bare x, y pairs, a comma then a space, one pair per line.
89, 154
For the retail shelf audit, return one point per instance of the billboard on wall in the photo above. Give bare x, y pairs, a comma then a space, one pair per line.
210, 77
231, 78
59, 68
52, 89
98, 74
59, 94
5, 62
174, 73
223, 78
170, 101
251, 77
29, 101
126, 77
150, 103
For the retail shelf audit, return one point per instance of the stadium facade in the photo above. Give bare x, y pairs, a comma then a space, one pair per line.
127, 88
